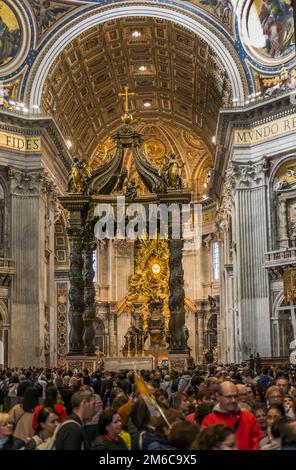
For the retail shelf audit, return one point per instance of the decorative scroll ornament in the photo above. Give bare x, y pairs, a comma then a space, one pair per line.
289, 278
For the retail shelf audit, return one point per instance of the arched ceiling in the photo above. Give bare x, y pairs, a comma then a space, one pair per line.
185, 82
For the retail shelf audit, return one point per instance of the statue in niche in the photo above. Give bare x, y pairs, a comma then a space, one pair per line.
79, 175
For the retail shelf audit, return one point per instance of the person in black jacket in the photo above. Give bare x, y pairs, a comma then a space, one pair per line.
109, 428
26, 382
71, 435
7, 440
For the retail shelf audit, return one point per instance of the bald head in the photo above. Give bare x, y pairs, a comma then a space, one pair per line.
228, 397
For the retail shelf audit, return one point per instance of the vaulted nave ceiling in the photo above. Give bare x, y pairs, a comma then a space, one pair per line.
176, 77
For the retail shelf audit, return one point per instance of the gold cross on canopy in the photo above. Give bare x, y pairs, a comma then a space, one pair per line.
126, 95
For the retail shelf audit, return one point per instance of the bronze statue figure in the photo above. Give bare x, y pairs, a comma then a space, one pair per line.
170, 172
79, 174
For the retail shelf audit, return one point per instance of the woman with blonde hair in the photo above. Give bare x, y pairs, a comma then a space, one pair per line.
7, 440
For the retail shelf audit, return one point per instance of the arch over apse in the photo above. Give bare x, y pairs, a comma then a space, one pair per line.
69, 32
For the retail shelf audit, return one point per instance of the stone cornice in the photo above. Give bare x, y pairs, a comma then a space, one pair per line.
33, 125
236, 118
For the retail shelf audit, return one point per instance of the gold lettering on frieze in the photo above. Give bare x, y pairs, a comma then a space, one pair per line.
266, 131
21, 143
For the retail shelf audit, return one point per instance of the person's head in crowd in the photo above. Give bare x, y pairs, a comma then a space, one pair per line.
66, 380
158, 375
282, 382
206, 396
264, 371
278, 426
116, 392
288, 434
183, 434
227, 396
162, 399
196, 381
47, 421
31, 399
216, 437
289, 404
274, 395
179, 402
274, 413
51, 396
110, 423
58, 382
119, 401
153, 386
6, 425
163, 425
15, 379
261, 415
243, 393
74, 383
140, 415
83, 404
202, 411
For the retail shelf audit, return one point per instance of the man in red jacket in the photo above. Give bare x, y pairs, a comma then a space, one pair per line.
227, 412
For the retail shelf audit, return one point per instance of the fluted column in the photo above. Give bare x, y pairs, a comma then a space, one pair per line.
76, 292
111, 329
252, 321
89, 313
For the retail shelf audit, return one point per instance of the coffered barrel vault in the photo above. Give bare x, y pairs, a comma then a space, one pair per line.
175, 74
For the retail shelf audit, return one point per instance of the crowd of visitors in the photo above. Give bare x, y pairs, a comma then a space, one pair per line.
225, 407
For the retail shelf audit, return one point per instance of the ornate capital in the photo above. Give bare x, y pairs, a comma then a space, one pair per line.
252, 174
123, 247
31, 183
24, 182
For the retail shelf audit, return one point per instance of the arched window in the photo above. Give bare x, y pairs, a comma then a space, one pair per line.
2, 207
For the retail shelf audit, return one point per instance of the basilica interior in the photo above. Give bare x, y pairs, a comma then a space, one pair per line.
96, 97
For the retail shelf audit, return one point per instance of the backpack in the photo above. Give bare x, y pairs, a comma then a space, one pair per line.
49, 444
